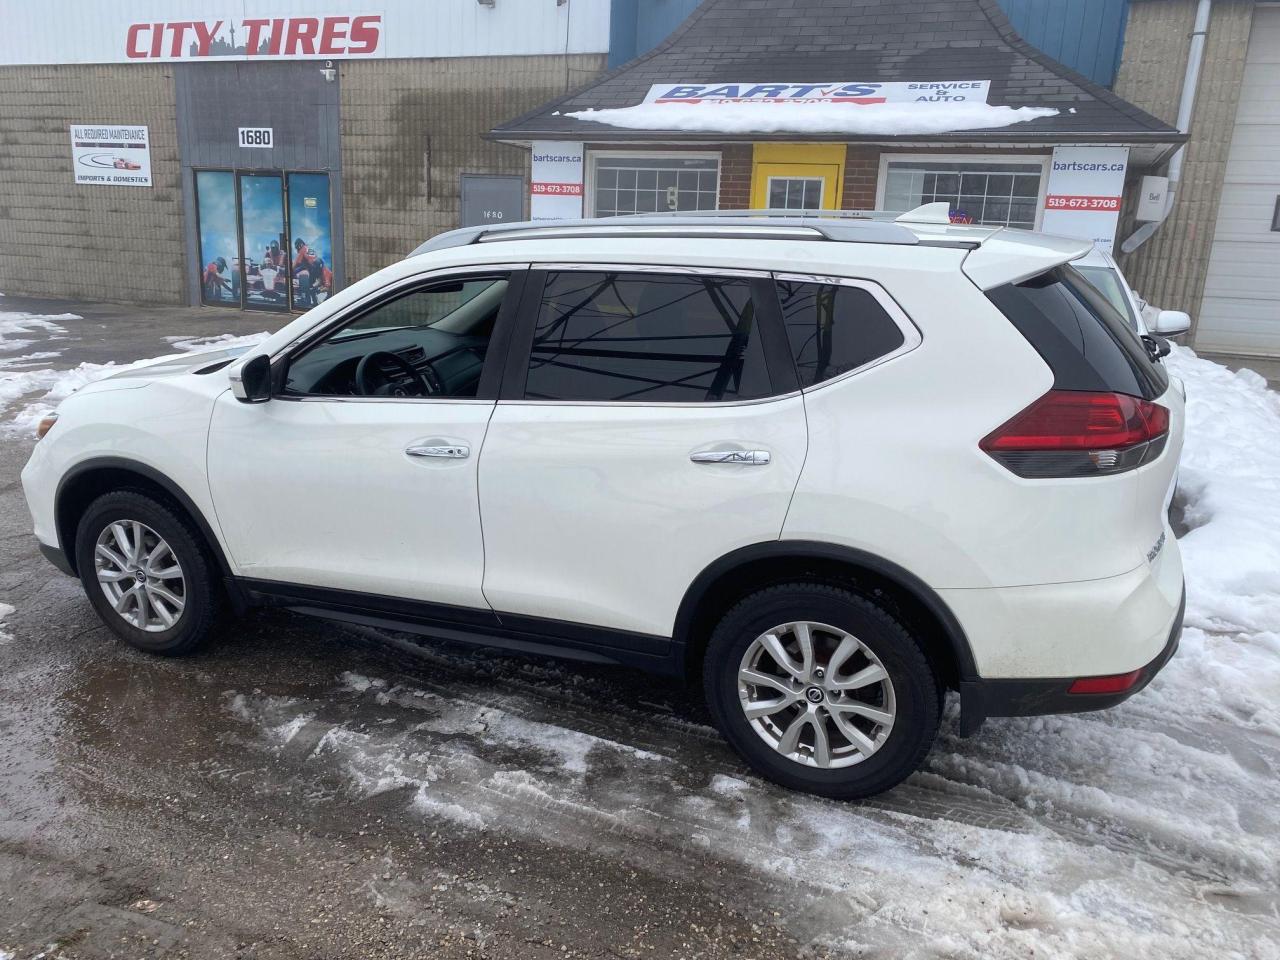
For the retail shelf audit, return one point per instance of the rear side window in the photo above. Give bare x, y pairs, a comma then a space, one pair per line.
1082, 338
834, 328
646, 337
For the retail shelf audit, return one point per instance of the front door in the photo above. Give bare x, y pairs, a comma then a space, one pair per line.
790, 176
653, 426
360, 473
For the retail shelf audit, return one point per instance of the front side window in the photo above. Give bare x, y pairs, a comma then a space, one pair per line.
646, 337
834, 328
427, 342
625, 185
989, 192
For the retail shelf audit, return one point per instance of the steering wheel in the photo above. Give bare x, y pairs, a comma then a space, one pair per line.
372, 382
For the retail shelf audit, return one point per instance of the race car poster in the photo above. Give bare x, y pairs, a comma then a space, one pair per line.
113, 156
311, 240
266, 277
219, 237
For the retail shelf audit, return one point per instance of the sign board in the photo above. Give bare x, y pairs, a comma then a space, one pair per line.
1082, 198
491, 199
73, 31
864, 94
257, 138
555, 181
1151, 199
111, 155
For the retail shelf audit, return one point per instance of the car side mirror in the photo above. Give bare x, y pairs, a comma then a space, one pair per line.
251, 380
1172, 322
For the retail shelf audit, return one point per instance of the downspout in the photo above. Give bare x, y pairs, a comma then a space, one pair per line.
1190, 82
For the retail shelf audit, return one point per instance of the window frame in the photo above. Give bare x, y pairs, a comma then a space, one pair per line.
911, 335
495, 360
820, 181
783, 379
976, 159
589, 171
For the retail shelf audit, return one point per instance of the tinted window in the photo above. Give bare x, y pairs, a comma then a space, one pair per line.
426, 343
1082, 338
834, 328
646, 337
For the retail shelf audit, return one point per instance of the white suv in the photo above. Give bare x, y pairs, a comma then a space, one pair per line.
832, 467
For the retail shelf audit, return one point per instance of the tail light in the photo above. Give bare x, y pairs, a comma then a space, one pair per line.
1068, 433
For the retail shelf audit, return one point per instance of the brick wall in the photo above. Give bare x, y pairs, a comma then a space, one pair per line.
58, 239
1169, 269
410, 127
735, 176
861, 170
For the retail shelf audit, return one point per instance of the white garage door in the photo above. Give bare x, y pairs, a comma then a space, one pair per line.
1241, 309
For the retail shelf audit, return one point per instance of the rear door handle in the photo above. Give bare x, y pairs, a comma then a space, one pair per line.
747, 458
447, 451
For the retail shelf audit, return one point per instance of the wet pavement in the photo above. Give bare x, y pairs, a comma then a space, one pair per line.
309, 790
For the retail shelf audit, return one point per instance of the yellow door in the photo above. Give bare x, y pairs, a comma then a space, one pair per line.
797, 176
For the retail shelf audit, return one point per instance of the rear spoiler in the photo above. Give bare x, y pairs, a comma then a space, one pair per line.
1011, 256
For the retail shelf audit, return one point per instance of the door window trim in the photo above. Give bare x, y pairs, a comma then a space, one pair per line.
911, 335
784, 382
492, 373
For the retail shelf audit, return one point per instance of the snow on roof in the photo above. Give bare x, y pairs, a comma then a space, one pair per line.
885, 119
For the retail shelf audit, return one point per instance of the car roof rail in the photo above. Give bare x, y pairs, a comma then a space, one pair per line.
719, 224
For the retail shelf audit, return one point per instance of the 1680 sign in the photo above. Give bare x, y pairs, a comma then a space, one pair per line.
256, 137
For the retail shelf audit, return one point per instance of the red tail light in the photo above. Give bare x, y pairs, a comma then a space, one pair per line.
1117, 683
1069, 433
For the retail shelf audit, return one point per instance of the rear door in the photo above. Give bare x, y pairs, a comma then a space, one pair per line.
649, 423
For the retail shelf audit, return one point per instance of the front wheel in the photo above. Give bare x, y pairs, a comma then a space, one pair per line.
821, 689
147, 573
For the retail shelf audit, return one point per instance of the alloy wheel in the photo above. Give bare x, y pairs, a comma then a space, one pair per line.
140, 575
816, 694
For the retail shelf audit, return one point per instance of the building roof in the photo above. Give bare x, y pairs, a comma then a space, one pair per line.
804, 41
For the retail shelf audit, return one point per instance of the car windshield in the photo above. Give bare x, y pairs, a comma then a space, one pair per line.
1112, 287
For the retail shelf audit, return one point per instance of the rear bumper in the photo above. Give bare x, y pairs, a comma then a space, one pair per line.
980, 699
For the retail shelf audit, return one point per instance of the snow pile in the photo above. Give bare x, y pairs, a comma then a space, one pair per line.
25, 323
1229, 485
882, 119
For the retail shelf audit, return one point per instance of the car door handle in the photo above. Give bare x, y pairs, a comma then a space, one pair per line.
447, 451
748, 458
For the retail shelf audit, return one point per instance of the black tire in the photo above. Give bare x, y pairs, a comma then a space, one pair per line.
915, 687
204, 600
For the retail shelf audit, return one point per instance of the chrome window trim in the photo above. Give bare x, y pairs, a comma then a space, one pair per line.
650, 405
911, 335
650, 267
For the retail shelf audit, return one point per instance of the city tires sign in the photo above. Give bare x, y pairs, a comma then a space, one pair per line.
73, 31
111, 155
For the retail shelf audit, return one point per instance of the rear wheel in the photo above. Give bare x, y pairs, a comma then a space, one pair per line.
821, 689
147, 573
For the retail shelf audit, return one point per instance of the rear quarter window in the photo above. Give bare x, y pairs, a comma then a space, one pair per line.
834, 328
1086, 343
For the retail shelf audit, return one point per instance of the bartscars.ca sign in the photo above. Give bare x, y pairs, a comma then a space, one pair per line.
860, 94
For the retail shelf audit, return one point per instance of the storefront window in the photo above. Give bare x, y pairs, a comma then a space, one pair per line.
625, 184
992, 192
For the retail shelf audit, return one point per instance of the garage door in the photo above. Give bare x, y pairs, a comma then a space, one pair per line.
1241, 309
